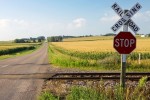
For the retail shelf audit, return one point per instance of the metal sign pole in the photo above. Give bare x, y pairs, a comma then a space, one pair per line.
121, 38
123, 59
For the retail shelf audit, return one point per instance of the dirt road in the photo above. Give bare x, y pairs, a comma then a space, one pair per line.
23, 89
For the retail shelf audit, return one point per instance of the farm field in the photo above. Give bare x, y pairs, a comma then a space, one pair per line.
9, 49
97, 53
9, 45
99, 44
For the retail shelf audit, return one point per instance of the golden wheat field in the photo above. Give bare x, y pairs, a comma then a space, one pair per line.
99, 44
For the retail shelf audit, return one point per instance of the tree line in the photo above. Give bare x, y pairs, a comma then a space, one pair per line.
30, 40
55, 39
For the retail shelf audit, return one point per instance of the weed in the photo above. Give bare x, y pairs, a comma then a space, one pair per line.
47, 96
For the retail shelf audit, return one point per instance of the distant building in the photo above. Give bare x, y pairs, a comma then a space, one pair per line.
142, 35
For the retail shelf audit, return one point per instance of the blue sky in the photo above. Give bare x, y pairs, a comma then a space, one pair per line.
32, 18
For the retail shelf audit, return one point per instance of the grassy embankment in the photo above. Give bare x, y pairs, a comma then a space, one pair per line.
8, 49
97, 53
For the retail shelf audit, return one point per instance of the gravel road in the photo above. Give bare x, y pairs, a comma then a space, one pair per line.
23, 89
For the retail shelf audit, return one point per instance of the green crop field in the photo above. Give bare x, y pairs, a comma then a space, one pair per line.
9, 49
97, 53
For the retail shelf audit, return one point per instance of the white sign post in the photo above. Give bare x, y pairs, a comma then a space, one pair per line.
125, 21
125, 17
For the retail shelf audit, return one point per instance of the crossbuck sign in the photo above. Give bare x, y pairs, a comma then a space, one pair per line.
126, 17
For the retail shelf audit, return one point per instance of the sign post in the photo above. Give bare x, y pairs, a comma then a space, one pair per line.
123, 59
125, 42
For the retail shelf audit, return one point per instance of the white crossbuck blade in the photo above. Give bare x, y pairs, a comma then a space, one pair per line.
126, 17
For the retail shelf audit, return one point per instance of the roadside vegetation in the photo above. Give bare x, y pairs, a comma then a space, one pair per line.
98, 54
96, 91
8, 49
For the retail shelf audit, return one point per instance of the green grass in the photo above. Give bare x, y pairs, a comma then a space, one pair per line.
47, 96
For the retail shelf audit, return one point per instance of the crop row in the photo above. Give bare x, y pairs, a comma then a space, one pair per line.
100, 55
102, 61
15, 50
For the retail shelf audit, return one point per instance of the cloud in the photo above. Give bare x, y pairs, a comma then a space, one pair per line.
11, 22
4, 22
142, 19
77, 23
109, 18
140, 16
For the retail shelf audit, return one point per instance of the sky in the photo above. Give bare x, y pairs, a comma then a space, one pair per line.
33, 18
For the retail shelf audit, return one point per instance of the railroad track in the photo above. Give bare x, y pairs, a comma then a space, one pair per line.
77, 76
99, 76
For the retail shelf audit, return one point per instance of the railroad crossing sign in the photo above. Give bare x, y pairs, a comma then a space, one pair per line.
125, 17
124, 42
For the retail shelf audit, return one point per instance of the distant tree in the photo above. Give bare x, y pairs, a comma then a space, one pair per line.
42, 38
22, 41
16, 40
55, 39
34, 40
19, 41
148, 35
68, 37
109, 34
39, 40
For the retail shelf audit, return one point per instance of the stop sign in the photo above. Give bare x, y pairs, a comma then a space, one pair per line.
124, 42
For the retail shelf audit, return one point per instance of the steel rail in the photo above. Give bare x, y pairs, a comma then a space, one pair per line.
105, 73
77, 76
99, 76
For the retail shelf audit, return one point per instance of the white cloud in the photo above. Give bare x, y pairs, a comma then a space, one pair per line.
15, 28
11, 22
142, 16
148, 13
109, 19
77, 23
142, 19
4, 22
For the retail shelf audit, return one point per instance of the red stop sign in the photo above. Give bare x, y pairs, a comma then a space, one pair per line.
124, 42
